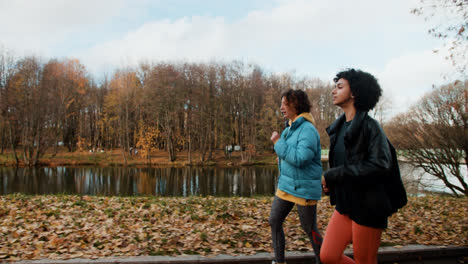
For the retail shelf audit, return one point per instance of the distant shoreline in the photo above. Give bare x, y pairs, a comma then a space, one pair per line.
159, 158
115, 158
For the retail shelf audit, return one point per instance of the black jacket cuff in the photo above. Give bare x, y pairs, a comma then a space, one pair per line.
333, 177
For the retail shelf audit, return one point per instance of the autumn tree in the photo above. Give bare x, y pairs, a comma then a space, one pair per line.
93, 108
106, 120
433, 135
201, 108
177, 107
148, 138
226, 115
190, 82
7, 67
380, 111
52, 80
210, 108
256, 85
121, 108
241, 107
450, 19
68, 85
27, 110
164, 84
322, 109
271, 118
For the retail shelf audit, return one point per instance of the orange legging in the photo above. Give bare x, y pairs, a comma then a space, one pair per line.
340, 232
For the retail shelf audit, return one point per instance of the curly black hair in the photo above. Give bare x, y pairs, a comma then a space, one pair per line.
364, 87
298, 99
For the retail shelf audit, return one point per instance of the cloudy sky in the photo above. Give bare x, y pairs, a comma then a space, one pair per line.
314, 38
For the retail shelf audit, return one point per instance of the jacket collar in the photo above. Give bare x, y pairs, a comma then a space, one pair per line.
333, 128
354, 128
300, 119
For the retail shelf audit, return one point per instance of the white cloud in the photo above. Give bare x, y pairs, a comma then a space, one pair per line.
38, 27
311, 37
195, 39
407, 78
50, 16
266, 36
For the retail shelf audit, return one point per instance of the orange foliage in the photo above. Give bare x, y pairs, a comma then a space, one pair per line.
82, 144
148, 140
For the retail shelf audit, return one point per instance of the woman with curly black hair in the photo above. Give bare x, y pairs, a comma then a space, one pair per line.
364, 180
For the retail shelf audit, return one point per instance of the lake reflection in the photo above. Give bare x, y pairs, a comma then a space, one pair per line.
186, 181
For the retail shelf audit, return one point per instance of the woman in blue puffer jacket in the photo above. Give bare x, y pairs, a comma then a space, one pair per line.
300, 166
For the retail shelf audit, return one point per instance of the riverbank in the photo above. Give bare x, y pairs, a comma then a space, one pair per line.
115, 157
91, 227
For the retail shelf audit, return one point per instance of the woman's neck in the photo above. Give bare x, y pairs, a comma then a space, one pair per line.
293, 118
350, 112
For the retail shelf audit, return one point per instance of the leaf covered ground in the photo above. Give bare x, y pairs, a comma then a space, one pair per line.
63, 226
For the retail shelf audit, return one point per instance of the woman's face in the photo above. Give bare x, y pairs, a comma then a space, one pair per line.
288, 110
342, 96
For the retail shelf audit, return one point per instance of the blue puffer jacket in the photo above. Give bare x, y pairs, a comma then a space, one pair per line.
299, 155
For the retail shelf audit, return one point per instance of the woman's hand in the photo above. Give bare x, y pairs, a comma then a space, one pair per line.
274, 137
324, 186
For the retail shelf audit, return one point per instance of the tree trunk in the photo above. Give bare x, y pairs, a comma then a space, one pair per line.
55, 150
13, 146
3, 138
124, 151
170, 147
189, 148
170, 143
37, 154
189, 128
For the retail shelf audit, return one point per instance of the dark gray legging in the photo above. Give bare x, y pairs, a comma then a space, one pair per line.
308, 216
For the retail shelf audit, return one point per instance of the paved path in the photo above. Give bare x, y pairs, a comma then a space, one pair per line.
405, 255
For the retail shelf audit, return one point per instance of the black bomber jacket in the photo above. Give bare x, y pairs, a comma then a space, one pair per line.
370, 177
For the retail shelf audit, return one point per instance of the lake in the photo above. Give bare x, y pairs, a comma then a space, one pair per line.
184, 181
